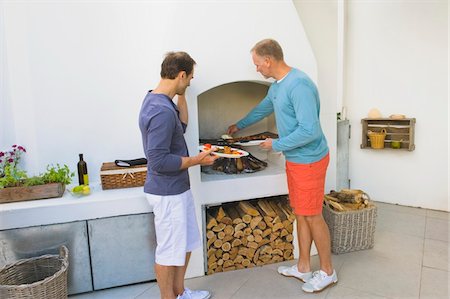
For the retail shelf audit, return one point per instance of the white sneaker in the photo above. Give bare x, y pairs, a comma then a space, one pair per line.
293, 272
189, 294
320, 281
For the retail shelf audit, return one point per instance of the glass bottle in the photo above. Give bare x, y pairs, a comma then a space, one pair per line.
83, 178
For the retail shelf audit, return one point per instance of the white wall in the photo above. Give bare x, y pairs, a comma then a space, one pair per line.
320, 20
397, 61
6, 124
74, 74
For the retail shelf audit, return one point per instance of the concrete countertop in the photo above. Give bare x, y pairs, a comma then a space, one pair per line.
99, 204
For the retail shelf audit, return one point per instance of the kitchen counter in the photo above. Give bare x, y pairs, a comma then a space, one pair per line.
99, 204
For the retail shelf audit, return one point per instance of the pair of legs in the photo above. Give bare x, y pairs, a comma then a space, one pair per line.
313, 228
306, 183
177, 235
170, 279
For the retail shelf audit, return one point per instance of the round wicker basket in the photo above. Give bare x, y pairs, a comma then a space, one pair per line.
43, 277
377, 138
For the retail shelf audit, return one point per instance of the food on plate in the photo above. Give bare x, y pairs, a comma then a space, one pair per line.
224, 151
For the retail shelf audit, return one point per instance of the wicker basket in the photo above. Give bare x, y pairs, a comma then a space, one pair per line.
43, 277
350, 230
377, 138
114, 177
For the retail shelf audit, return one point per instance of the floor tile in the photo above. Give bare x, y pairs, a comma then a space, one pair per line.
438, 214
222, 285
402, 223
398, 246
437, 229
339, 292
386, 277
337, 261
435, 254
401, 209
266, 283
150, 293
125, 292
434, 284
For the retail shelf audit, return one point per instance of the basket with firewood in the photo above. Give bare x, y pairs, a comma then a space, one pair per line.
351, 218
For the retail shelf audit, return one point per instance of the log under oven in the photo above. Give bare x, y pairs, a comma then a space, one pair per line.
248, 233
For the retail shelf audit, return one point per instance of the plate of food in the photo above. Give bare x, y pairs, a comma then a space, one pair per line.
224, 151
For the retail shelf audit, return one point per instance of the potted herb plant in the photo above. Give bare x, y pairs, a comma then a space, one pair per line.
15, 185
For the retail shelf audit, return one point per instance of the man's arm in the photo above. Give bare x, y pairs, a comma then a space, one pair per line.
308, 123
203, 158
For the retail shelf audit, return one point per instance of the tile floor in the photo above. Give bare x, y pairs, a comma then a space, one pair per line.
410, 260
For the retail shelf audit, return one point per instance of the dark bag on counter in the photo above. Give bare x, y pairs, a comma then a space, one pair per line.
129, 163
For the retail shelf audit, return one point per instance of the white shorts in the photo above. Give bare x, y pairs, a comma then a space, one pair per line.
176, 227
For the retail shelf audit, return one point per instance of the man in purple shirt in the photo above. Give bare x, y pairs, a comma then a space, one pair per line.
167, 187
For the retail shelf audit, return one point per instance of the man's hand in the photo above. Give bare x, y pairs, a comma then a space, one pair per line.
232, 129
205, 158
267, 144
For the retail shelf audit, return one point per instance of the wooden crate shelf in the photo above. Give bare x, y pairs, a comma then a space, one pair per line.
397, 129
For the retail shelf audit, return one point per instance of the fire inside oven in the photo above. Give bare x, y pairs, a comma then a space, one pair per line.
224, 105
244, 162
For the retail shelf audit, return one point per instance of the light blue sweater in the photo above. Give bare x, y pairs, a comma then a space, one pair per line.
296, 104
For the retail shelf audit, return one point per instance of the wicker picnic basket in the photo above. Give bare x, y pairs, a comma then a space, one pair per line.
114, 177
377, 139
43, 277
350, 230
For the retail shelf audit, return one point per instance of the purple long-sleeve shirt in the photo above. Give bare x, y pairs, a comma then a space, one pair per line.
164, 145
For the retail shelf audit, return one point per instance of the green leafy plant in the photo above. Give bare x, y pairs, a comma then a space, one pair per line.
16, 178
58, 174
12, 177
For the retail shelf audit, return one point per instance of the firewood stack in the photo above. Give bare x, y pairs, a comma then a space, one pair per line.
247, 234
348, 200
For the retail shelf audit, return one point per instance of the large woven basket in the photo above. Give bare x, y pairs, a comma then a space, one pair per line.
350, 230
43, 277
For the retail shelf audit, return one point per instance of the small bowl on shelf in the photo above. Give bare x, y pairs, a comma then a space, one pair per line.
79, 191
396, 144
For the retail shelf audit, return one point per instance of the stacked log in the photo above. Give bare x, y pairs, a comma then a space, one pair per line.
248, 234
348, 200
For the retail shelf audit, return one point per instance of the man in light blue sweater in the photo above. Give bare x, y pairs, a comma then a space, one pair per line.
294, 99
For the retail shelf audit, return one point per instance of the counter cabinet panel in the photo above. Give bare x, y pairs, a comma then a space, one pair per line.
122, 250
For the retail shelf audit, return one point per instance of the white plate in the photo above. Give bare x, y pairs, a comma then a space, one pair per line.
250, 143
241, 152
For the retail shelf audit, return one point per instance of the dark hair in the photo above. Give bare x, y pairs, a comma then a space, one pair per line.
176, 62
268, 47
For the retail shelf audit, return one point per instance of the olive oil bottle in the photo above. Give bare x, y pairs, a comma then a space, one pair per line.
83, 178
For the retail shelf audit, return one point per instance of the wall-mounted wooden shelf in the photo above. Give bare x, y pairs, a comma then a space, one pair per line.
397, 129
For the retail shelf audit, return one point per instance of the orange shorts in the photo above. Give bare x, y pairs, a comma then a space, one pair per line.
306, 184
